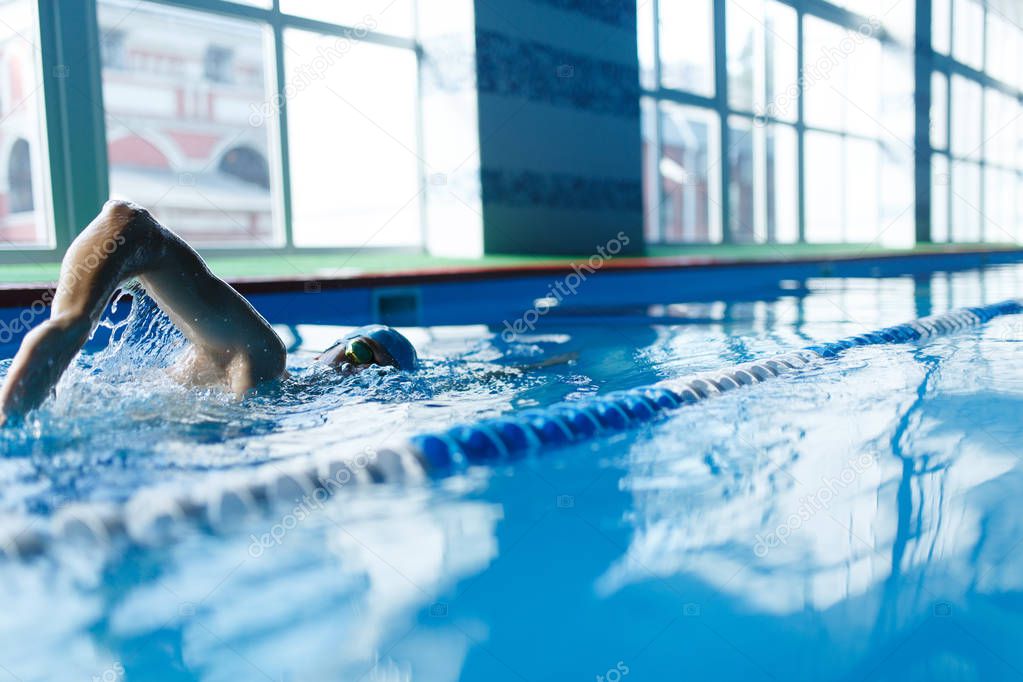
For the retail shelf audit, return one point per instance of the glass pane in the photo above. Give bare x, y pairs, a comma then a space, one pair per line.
941, 27
1002, 128
1001, 48
687, 46
939, 198
897, 217
353, 144
896, 124
825, 74
862, 191
899, 17
651, 219
745, 50
689, 169
396, 17
742, 185
967, 102
1017, 62
780, 190
1017, 150
190, 121
24, 167
968, 33
762, 58
939, 110
1017, 230
999, 205
762, 182
824, 188
966, 213
862, 94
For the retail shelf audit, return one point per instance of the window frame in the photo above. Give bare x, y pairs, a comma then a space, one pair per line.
76, 129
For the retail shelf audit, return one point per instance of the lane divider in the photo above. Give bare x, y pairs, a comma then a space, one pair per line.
154, 517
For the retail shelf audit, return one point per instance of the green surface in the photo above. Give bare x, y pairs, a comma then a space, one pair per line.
289, 265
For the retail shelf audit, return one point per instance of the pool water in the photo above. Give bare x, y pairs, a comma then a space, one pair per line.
859, 521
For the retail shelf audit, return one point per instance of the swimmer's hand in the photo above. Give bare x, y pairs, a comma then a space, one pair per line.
45, 353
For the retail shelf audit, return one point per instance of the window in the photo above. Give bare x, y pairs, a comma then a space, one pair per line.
762, 58
360, 184
967, 104
968, 33
192, 149
939, 111
24, 180
19, 179
687, 46
941, 26
854, 91
688, 167
762, 188
192, 110
976, 172
112, 49
218, 64
859, 155
246, 164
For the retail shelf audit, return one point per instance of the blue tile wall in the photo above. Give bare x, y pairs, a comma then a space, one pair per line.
567, 192
546, 74
611, 12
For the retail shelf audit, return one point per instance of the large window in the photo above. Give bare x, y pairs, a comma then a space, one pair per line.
179, 89
24, 176
360, 183
976, 167
244, 125
777, 121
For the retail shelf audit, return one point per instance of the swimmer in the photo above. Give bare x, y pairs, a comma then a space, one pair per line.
231, 345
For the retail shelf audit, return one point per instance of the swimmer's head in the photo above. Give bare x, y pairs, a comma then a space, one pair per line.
372, 345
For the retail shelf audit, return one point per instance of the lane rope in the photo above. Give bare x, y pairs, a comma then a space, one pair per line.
154, 517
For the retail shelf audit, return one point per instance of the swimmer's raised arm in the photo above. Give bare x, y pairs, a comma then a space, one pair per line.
231, 343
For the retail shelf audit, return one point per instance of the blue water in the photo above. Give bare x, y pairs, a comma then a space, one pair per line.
857, 522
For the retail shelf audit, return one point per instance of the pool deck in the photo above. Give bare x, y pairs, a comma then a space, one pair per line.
26, 283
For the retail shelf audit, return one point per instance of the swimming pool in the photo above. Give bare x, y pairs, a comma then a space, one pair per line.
855, 521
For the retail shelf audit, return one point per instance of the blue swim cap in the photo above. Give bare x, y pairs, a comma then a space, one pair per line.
388, 342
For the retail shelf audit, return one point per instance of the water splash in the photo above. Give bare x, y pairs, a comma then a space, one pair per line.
119, 421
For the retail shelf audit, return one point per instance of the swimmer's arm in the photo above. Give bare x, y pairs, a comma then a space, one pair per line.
125, 241
89, 274
232, 342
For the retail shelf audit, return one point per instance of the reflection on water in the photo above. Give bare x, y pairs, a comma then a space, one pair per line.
858, 522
